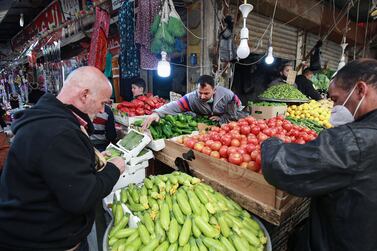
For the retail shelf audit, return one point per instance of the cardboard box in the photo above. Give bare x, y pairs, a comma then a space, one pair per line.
267, 112
129, 153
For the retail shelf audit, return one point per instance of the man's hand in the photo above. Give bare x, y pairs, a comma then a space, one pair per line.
148, 121
215, 118
119, 162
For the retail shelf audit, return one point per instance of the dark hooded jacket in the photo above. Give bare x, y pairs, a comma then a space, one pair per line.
49, 186
338, 171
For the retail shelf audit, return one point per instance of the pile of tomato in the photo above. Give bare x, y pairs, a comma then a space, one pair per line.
240, 142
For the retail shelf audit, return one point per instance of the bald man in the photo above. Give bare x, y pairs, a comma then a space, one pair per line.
50, 186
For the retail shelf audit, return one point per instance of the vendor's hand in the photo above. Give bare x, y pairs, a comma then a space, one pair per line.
148, 121
119, 163
215, 118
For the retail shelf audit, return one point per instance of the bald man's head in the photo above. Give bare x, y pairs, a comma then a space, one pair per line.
88, 89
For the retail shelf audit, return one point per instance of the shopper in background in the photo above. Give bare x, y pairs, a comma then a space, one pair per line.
283, 75
305, 85
104, 129
338, 170
50, 184
219, 103
137, 87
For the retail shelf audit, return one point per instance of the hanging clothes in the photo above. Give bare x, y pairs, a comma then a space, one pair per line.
108, 69
129, 61
147, 11
98, 45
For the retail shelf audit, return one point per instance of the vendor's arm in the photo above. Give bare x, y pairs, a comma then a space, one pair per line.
69, 172
172, 108
318, 167
231, 112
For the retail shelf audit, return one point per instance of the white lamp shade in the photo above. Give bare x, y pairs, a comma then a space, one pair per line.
243, 50
270, 57
245, 9
163, 68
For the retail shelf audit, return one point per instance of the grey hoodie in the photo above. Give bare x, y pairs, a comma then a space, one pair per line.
225, 104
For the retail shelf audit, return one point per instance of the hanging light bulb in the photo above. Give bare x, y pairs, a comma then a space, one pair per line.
163, 67
270, 57
22, 19
343, 57
243, 49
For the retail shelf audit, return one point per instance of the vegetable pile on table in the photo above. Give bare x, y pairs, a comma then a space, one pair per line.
239, 142
264, 103
176, 125
142, 105
179, 212
315, 111
283, 92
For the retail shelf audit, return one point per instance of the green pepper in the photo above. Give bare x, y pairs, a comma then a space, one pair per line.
180, 124
170, 118
181, 117
159, 131
139, 122
166, 129
177, 130
153, 132
193, 124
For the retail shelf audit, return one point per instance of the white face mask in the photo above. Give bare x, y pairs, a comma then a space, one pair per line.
340, 115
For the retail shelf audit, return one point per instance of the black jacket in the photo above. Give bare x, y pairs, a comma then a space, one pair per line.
305, 86
49, 186
339, 171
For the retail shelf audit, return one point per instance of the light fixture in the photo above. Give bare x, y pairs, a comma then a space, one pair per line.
163, 67
22, 19
243, 49
270, 57
343, 57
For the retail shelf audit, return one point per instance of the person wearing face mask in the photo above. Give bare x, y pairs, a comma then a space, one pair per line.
305, 85
219, 103
283, 75
338, 170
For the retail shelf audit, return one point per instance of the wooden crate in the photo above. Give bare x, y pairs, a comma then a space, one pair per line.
248, 188
267, 112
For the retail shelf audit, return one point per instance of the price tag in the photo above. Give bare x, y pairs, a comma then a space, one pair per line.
291, 77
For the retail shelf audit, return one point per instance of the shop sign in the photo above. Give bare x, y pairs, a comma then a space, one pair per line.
49, 18
69, 8
117, 4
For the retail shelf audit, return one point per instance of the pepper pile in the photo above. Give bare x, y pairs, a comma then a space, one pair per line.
177, 212
142, 105
283, 91
176, 125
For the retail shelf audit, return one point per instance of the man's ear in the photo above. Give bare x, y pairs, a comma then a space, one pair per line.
83, 95
362, 89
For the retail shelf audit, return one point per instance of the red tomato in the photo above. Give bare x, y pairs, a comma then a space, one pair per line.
255, 130
287, 125
252, 166
198, 146
246, 157
225, 127
241, 151
250, 120
190, 143
280, 117
235, 142
254, 154
215, 137
215, 129
242, 123
235, 135
268, 132
253, 141
262, 126
258, 161
209, 143
245, 130
300, 141
244, 165
232, 149
215, 154
243, 142
216, 145
206, 150
249, 148
226, 140
235, 158
232, 125
262, 137
223, 151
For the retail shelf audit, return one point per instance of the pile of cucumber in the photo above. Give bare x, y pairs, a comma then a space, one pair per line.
179, 212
